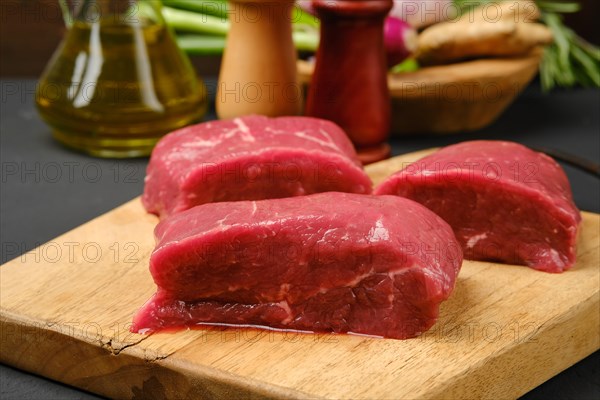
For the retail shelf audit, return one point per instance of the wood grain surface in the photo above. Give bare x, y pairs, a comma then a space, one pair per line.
65, 310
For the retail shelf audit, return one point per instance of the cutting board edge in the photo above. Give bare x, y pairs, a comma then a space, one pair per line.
168, 368
163, 369
476, 384
587, 321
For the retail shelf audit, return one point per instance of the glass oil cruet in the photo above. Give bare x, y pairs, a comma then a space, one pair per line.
118, 82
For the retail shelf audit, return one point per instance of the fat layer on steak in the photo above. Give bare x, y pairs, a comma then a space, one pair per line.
504, 201
250, 158
375, 265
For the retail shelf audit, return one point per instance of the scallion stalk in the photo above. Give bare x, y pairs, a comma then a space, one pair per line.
217, 8
213, 29
189, 21
201, 45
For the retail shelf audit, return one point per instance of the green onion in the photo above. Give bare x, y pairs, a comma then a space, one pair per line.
201, 33
189, 21
217, 8
305, 41
200, 45
203, 45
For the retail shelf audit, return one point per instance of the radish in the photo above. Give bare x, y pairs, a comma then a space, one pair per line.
422, 13
400, 40
306, 5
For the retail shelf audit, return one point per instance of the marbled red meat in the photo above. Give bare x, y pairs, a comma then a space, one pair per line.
250, 158
376, 265
504, 201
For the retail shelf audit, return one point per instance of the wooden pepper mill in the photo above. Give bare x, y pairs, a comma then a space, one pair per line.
258, 73
349, 84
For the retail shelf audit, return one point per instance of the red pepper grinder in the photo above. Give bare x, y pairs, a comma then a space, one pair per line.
349, 84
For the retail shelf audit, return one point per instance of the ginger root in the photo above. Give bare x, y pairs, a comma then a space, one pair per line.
507, 30
517, 11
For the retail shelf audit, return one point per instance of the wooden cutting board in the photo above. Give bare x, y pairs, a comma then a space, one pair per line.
65, 310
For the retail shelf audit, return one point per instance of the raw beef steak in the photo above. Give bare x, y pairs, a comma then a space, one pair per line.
504, 201
376, 265
250, 158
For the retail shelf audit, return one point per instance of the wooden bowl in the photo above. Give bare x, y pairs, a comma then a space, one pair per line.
453, 98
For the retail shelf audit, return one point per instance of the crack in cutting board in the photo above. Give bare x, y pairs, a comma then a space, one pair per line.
66, 307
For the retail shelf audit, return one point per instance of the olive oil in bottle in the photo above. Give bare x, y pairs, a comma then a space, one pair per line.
118, 82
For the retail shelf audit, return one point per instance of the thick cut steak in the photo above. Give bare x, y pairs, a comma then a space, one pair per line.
250, 158
504, 201
341, 262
